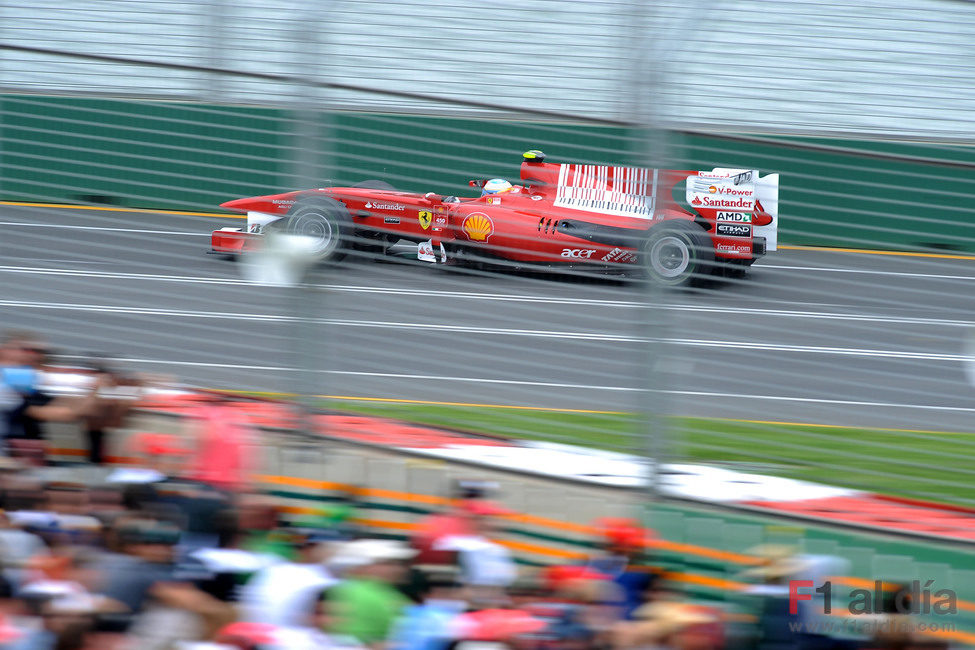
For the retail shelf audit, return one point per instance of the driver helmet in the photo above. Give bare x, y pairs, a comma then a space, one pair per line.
496, 186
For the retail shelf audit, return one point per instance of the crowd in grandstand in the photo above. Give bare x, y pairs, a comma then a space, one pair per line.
192, 556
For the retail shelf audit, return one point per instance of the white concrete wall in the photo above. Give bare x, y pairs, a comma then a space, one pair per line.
901, 67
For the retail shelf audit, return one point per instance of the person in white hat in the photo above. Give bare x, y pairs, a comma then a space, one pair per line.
367, 603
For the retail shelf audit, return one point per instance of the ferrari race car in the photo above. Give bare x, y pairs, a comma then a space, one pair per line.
562, 215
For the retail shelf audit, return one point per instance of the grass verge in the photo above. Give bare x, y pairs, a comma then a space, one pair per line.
929, 465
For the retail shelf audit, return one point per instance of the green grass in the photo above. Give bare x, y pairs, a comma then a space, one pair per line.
926, 465
603, 430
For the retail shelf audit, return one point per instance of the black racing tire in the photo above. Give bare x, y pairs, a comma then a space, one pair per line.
375, 185
678, 254
324, 219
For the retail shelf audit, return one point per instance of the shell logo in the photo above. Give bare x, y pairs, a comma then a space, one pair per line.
712, 189
478, 226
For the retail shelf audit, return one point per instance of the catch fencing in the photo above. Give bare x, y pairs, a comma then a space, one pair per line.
845, 368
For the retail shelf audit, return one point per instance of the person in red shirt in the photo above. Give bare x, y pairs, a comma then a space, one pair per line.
462, 519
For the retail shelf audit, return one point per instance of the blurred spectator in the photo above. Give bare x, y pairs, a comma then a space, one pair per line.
262, 527
226, 565
18, 629
624, 546
574, 607
334, 520
776, 624
156, 457
24, 405
367, 603
496, 628
137, 556
893, 627
467, 489
456, 520
114, 400
430, 624
672, 625
60, 516
17, 547
285, 593
173, 609
243, 635
485, 564
224, 443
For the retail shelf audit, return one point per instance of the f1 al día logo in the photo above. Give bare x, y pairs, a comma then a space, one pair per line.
885, 598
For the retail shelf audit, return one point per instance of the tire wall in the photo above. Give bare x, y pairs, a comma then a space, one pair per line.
184, 156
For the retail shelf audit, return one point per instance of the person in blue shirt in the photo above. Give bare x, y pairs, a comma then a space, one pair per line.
428, 624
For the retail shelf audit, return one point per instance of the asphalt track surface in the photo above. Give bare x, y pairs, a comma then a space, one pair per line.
819, 336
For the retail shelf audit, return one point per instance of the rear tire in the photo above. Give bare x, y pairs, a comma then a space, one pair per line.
678, 254
326, 221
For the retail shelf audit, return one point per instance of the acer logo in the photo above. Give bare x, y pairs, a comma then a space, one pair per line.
578, 253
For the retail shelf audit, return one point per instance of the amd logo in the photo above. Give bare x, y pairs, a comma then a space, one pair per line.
743, 217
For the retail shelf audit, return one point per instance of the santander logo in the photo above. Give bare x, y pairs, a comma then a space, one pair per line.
709, 202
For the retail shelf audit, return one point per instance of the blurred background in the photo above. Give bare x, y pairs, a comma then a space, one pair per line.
180, 106
839, 360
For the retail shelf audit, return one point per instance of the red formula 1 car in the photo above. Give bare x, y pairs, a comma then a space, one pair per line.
565, 215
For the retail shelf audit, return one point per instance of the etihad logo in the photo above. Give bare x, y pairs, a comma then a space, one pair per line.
734, 229
478, 226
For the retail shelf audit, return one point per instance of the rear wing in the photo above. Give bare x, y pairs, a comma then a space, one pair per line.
722, 194
737, 196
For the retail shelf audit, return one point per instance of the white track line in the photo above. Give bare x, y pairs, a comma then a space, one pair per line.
513, 382
136, 230
491, 331
785, 313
